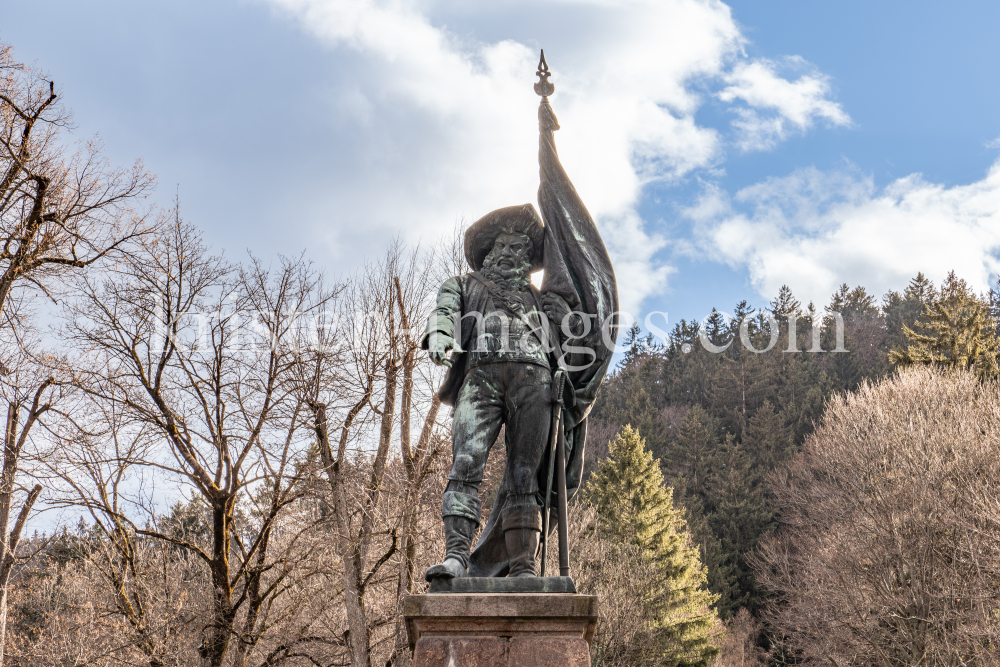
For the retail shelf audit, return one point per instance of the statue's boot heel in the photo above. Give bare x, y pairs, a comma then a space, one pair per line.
458, 531
522, 526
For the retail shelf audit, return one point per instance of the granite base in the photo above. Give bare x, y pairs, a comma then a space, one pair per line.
500, 629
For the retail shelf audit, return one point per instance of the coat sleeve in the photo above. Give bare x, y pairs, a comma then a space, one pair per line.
449, 307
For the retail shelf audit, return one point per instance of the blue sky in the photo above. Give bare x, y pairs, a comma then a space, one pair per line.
724, 149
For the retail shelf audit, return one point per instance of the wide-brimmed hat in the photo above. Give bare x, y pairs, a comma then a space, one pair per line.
523, 219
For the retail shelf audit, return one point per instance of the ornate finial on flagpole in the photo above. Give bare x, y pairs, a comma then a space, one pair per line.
543, 87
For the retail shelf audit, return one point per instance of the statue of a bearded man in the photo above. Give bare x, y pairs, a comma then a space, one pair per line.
508, 338
504, 375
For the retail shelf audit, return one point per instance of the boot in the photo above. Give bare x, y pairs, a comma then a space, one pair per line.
458, 531
461, 518
522, 527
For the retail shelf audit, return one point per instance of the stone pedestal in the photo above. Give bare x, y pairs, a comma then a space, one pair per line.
500, 629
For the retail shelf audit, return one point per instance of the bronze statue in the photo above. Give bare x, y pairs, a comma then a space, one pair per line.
529, 359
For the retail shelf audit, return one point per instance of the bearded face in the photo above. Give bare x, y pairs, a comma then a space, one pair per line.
509, 262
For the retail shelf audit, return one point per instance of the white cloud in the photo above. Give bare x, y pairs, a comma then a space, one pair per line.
445, 125
814, 230
778, 106
633, 251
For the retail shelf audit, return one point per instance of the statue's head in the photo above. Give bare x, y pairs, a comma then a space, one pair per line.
506, 244
510, 258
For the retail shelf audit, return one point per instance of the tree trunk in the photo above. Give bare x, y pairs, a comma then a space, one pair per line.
7, 563
3, 621
357, 636
218, 635
416, 467
359, 639
374, 491
13, 443
250, 636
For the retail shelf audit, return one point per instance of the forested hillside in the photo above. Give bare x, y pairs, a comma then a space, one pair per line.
720, 423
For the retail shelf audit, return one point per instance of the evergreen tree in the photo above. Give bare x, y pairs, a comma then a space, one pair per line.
742, 513
904, 310
724, 486
961, 333
687, 371
635, 506
630, 394
740, 516
920, 289
691, 461
785, 303
853, 302
717, 329
864, 335
994, 306
744, 379
636, 347
768, 440
691, 457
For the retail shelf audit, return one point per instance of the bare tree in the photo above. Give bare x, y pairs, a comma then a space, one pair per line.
889, 556
195, 358
352, 390
739, 649
417, 461
57, 214
30, 394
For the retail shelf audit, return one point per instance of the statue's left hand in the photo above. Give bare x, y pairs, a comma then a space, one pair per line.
555, 307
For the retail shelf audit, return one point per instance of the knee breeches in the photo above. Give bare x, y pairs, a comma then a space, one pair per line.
513, 394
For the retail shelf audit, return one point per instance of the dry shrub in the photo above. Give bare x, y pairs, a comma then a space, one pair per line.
619, 576
740, 646
891, 552
64, 610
